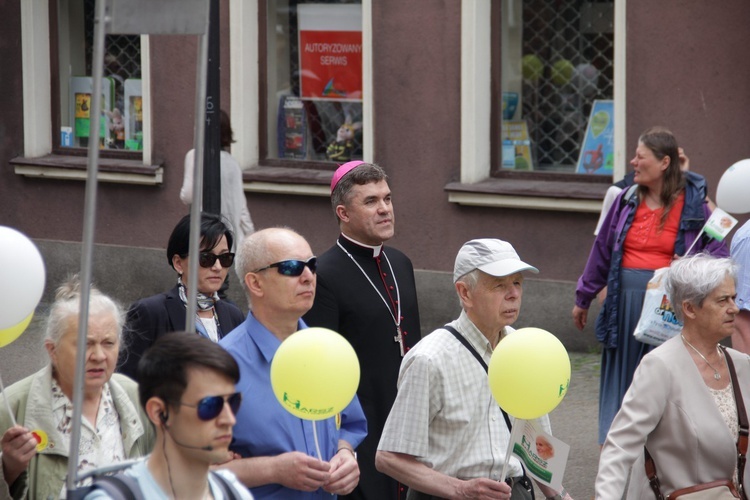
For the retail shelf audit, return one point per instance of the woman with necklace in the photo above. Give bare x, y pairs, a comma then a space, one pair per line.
152, 317
646, 227
682, 405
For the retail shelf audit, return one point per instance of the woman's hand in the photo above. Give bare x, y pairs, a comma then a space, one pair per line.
19, 447
580, 316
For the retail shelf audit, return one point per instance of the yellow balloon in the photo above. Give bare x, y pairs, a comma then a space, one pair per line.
529, 373
8, 335
315, 373
562, 71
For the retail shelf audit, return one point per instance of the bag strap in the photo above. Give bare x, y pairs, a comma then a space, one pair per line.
742, 437
653, 479
474, 352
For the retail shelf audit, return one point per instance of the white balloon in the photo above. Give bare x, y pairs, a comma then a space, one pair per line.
732, 192
22, 277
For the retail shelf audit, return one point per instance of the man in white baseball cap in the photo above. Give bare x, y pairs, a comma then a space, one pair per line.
445, 436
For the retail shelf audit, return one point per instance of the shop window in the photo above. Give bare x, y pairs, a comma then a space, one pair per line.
122, 97
313, 88
554, 108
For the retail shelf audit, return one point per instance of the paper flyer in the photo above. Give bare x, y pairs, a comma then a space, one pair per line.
543, 455
719, 224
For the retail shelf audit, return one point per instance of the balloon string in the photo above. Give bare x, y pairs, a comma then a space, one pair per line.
7, 403
315, 436
517, 427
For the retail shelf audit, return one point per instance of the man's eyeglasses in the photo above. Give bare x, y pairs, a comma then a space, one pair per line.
208, 259
293, 267
211, 407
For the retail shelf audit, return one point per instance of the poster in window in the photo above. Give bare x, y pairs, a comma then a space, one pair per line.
598, 148
330, 51
133, 114
292, 129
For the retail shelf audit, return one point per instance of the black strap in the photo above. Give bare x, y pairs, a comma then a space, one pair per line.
742, 437
474, 352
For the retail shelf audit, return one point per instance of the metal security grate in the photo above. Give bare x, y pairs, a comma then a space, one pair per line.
568, 63
122, 59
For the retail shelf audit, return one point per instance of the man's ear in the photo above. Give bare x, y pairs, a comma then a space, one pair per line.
342, 213
253, 284
464, 293
157, 411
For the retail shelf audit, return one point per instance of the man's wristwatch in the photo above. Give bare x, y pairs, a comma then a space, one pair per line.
349, 450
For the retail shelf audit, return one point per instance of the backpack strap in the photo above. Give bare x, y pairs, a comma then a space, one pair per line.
629, 195
227, 489
119, 487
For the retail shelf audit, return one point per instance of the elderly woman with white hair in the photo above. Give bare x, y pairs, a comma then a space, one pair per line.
35, 451
681, 416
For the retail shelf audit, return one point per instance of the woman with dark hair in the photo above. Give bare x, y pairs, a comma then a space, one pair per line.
650, 223
152, 317
233, 201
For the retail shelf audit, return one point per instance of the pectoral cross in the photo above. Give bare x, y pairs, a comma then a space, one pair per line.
399, 338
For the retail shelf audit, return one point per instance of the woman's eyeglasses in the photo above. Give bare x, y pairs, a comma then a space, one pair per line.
208, 259
211, 407
293, 267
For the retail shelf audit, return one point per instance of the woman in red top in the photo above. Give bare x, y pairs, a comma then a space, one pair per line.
643, 232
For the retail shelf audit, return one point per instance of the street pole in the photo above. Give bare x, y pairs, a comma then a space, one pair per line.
212, 149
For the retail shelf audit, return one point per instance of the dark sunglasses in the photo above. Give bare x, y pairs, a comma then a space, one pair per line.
208, 259
293, 267
211, 407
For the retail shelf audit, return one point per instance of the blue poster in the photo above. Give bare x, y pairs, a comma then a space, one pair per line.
598, 149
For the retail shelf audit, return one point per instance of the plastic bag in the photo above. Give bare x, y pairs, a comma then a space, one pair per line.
658, 322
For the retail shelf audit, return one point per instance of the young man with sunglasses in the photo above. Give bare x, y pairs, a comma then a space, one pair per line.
187, 391
279, 458
366, 292
150, 318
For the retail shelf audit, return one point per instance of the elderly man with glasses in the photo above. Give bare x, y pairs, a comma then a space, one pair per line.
278, 458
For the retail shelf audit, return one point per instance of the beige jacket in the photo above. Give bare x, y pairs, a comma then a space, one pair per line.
31, 402
669, 409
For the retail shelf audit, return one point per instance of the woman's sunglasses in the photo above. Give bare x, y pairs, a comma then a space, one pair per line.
208, 259
293, 267
211, 407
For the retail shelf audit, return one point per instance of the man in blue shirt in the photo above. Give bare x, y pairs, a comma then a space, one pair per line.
279, 460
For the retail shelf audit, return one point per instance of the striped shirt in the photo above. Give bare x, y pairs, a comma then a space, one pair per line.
444, 414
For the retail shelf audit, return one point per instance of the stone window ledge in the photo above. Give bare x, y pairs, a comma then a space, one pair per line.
75, 168
288, 180
530, 194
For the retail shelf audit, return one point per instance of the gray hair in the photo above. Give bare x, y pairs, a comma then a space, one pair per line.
360, 175
470, 279
67, 307
253, 254
692, 279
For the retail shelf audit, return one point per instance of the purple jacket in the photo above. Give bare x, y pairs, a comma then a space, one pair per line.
605, 260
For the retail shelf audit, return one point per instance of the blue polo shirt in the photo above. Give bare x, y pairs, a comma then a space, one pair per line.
264, 427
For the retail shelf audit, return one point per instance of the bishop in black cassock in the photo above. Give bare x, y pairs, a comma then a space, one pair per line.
366, 292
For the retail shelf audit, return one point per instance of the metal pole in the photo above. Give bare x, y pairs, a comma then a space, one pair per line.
87, 252
195, 209
212, 154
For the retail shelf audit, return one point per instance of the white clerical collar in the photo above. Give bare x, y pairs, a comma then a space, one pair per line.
375, 249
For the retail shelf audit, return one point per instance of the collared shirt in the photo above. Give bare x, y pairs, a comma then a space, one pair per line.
264, 427
444, 414
740, 251
99, 445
